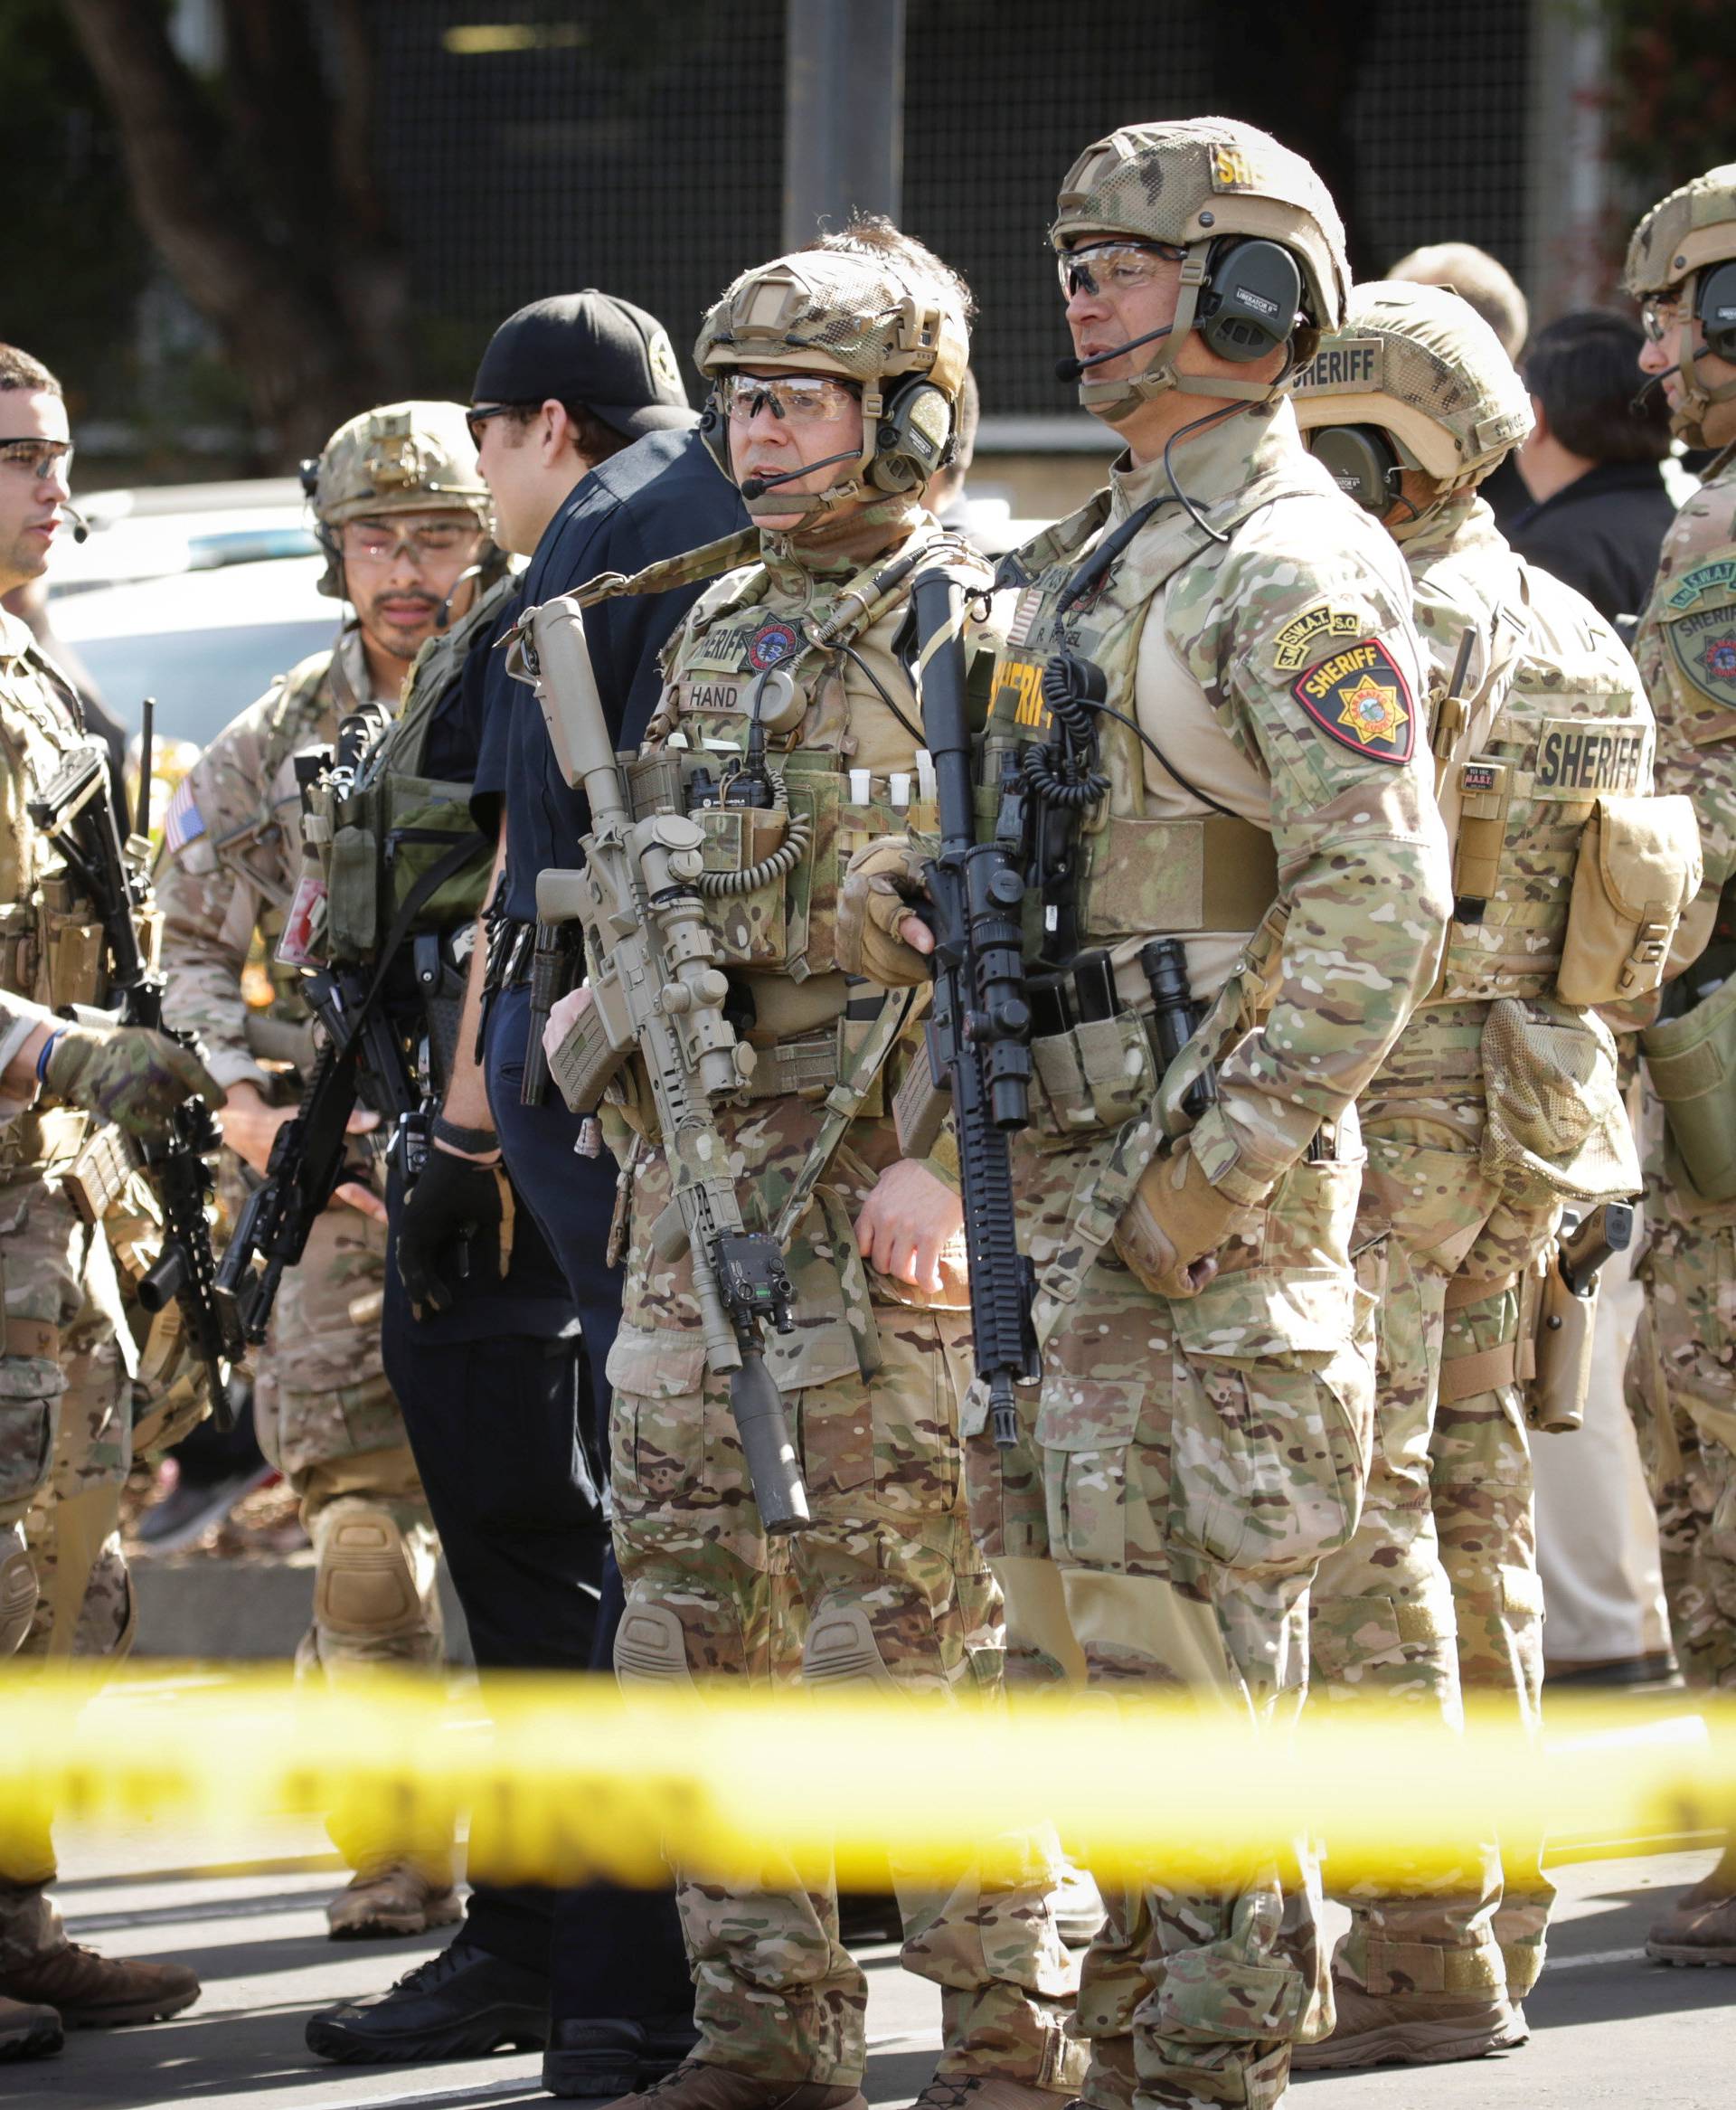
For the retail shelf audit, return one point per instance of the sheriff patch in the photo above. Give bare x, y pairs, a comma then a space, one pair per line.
1577, 760
1355, 366
770, 644
1360, 698
1702, 643
1295, 643
1018, 694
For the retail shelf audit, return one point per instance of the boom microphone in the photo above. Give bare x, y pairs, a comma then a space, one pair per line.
1072, 369
1651, 382
757, 487
80, 527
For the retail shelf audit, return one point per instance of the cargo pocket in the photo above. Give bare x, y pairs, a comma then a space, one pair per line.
30, 1413
1086, 1430
656, 1427
818, 1373
1637, 869
1272, 1419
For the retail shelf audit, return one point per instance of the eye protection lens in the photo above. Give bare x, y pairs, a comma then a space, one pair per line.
804, 398
1114, 267
366, 542
38, 458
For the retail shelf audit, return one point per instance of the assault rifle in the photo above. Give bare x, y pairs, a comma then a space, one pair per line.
360, 1058
657, 988
978, 1025
76, 811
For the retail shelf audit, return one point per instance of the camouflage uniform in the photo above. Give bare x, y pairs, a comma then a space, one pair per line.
67, 1357
327, 1416
1681, 1389
1199, 1453
1439, 1584
886, 1588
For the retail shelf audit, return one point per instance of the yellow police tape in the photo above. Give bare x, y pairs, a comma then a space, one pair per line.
569, 1778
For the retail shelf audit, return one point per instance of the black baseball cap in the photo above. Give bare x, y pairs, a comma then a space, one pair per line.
587, 348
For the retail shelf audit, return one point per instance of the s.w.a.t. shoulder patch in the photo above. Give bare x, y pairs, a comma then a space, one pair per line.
1359, 696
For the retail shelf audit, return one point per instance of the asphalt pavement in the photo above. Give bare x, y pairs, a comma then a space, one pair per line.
1607, 2027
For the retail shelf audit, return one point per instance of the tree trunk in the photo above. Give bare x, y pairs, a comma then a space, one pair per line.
270, 298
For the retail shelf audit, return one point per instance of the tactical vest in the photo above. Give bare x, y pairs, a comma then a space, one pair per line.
51, 946
1572, 742
1137, 875
772, 870
377, 832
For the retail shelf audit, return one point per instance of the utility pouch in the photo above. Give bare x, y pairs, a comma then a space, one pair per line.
1566, 1321
1637, 869
1692, 1061
1095, 1075
919, 1108
96, 1178
353, 901
1485, 790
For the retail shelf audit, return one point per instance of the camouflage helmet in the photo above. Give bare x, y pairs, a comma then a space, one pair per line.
1191, 183
870, 313
1678, 243
400, 457
1420, 364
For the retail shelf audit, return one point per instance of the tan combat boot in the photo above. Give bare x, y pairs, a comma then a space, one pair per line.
988, 2092
28, 2032
392, 1897
94, 1992
1702, 1925
695, 2085
1412, 2028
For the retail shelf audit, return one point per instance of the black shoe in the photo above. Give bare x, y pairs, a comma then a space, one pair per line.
191, 1510
463, 2003
615, 2057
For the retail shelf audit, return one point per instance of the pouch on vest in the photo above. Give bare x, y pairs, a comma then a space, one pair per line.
1556, 1127
1639, 867
1095, 1075
1692, 1060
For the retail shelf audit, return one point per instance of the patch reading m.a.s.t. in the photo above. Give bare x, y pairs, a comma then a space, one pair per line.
1578, 758
1360, 698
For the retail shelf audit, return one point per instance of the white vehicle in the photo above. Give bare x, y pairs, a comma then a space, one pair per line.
197, 594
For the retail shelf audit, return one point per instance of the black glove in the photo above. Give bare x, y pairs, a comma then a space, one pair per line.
457, 1229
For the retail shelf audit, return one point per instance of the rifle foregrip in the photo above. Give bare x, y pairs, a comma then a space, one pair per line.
757, 1406
583, 1064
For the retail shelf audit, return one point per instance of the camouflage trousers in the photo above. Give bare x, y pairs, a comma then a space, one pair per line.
1189, 1464
65, 1447
1681, 1386
885, 1589
1438, 1588
328, 1421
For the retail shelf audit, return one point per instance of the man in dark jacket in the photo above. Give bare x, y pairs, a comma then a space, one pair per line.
1599, 509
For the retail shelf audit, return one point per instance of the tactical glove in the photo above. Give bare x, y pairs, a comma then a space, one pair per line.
457, 1229
126, 1075
883, 884
1171, 1231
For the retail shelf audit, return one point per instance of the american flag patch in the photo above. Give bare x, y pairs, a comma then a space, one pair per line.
184, 820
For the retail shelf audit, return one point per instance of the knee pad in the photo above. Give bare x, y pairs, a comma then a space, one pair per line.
17, 1589
651, 1647
365, 1588
841, 1649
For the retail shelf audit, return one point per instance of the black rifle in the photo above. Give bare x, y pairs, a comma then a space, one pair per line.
978, 1027
361, 1057
76, 811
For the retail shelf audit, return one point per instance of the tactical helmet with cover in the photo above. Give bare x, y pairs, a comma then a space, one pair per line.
873, 307
1677, 249
1203, 184
1417, 367
400, 457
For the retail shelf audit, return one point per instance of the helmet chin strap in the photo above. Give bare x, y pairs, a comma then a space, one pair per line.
1113, 401
1687, 420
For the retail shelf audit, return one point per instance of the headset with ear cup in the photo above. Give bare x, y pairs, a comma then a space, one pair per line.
1715, 305
1250, 300
913, 437
1361, 461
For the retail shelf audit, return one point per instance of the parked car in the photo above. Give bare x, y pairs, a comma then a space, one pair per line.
196, 594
